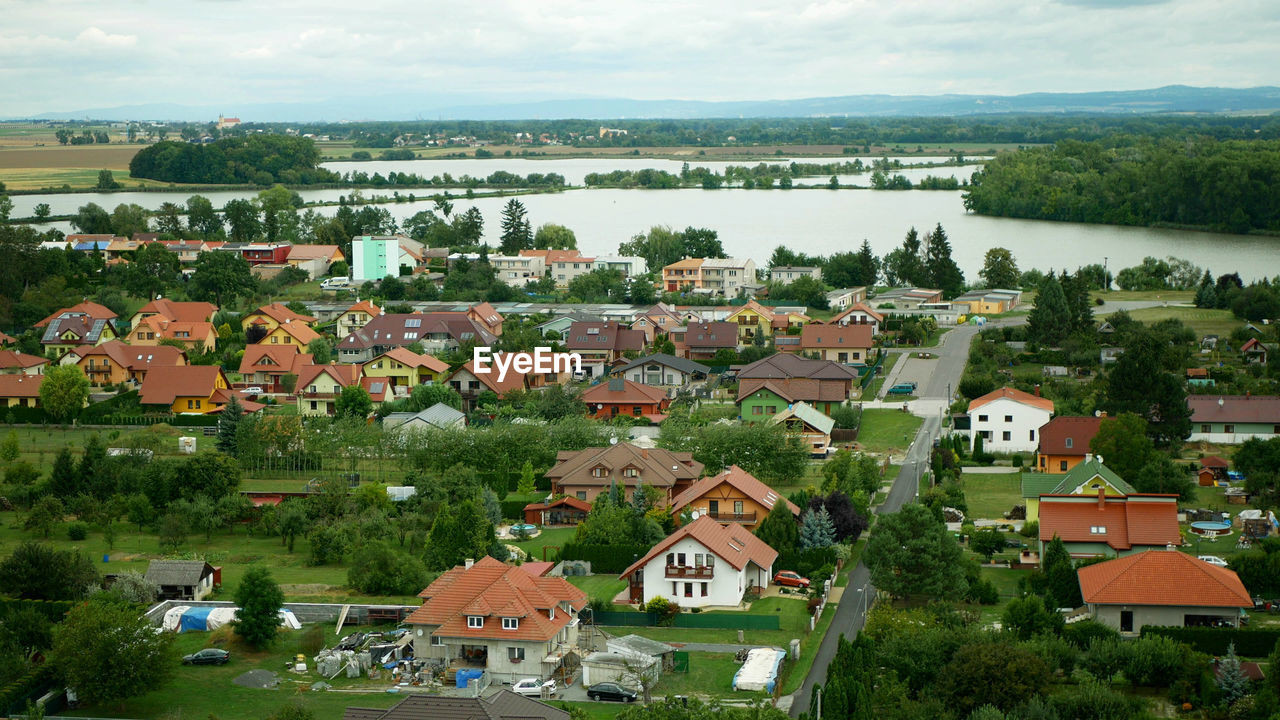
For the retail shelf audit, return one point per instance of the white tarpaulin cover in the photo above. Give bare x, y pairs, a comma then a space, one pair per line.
184, 618
760, 671
172, 617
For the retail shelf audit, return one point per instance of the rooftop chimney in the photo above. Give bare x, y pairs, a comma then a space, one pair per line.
1037, 390
1102, 498
469, 562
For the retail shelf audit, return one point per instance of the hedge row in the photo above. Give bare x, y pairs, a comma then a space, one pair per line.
1250, 642
604, 558
805, 562
26, 687
54, 610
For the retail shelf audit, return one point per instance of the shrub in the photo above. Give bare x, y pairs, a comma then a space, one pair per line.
77, 531
1096, 701
1105, 657
1016, 461
663, 608
1081, 634
1057, 653
983, 592
1254, 642
1030, 529
1154, 661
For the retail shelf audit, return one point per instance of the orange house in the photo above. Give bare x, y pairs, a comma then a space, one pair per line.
734, 495
1064, 442
625, 397
114, 362
186, 389
193, 335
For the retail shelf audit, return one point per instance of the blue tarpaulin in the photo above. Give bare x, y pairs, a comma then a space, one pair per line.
197, 619
466, 676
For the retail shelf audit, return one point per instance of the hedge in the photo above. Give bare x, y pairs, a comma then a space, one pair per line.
604, 559
1249, 642
716, 621
26, 687
26, 416
54, 610
805, 562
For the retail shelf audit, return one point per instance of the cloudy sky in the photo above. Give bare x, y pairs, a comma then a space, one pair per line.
74, 54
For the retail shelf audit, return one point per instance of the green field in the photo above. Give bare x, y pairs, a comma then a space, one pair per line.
709, 674
552, 536
603, 587
794, 672
793, 622
1202, 320
991, 495
884, 431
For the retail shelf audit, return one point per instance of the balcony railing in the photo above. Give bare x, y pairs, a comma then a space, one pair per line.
747, 517
681, 571
318, 395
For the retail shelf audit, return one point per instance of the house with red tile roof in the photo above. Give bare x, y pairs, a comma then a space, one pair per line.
6, 339
20, 390
1064, 442
13, 362
859, 314
320, 385
734, 495
1162, 587
1009, 420
315, 259
1104, 525
703, 563
562, 512
499, 618
291, 332
1212, 470
436, 331
760, 399
702, 340
471, 384
91, 310
115, 362
601, 344
269, 317
356, 317
186, 389
186, 312
265, 366
584, 474
404, 369
619, 396
195, 336
1253, 351
845, 344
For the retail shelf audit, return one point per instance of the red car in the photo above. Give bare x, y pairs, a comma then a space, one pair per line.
790, 579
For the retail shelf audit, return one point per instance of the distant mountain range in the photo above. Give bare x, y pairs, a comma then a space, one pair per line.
1169, 99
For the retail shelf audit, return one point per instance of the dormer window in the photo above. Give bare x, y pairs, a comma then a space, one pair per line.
599, 471
510, 623
475, 621
1071, 443
630, 472
1098, 530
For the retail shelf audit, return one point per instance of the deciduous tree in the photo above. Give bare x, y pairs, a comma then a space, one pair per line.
260, 600
911, 553
108, 652
64, 391
999, 269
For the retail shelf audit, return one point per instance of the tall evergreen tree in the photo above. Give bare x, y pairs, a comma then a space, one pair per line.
1232, 681
817, 530
228, 423
1061, 584
64, 481
517, 233
91, 461
1206, 294
868, 265
1050, 320
260, 600
941, 270
1075, 288
1140, 384
905, 265
778, 529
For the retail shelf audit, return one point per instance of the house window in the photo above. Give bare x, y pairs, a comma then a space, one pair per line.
1062, 465
1098, 530
475, 621
515, 654
275, 340
630, 472
510, 623
737, 507
635, 410
688, 589
437, 641
1008, 418
581, 494
772, 409
1070, 443
680, 557
1208, 429
599, 472
982, 418
190, 404
704, 588
1228, 428
1006, 435
1031, 435
757, 410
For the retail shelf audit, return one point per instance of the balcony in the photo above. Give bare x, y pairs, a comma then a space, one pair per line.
679, 571
318, 395
742, 517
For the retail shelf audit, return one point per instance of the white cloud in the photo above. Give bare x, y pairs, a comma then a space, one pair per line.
94, 36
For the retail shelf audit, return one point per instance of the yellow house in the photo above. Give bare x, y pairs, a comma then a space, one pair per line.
290, 332
20, 390
1087, 478
270, 317
752, 319
66, 333
189, 312
734, 495
320, 385
193, 335
404, 368
185, 389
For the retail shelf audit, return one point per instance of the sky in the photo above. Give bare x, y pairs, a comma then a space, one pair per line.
74, 54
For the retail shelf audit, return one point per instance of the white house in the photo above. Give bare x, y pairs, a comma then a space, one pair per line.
1008, 420
790, 273
1232, 419
518, 270
859, 314
662, 370
628, 265
703, 563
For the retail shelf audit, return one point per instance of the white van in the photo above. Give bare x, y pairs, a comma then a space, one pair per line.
335, 283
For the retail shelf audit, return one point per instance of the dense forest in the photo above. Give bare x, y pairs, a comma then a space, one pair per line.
258, 158
1225, 185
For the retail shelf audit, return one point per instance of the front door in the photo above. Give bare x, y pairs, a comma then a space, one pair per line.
1126, 621
637, 587
713, 507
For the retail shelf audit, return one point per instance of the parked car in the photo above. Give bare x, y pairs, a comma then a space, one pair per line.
532, 687
255, 390
208, 656
1214, 560
610, 691
790, 578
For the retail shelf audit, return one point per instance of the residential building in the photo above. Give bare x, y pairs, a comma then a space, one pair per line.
759, 400
657, 320
754, 319
1232, 419
291, 332
115, 362
315, 259
90, 310
502, 705
71, 329
601, 344
518, 270
562, 512
709, 276
1064, 442
198, 336
733, 495
560, 324
1164, 588
6, 339
662, 370
1086, 478
1253, 351
564, 265
320, 385
488, 317
845, 344
619, 396
906, 298
356, 317
814, 427
703, 563
629, 265
859, 314
702, 340
846, 297
261, 322
188, 251
87, 242
788, 274
20, 390
437, 416
405, 369
257, 253
1102, 525
13, 362
439, 331
186, 389
987, 302
584, 474
1213, 470
471, 384
374, 257
182, 579
499, 618
266, 366
1009, 420
165, 309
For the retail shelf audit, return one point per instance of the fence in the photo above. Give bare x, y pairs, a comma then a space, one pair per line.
711, 621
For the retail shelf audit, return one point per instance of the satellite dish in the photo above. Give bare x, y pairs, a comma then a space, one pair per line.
613, 440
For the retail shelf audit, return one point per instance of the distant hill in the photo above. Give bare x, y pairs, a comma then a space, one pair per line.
1170, 99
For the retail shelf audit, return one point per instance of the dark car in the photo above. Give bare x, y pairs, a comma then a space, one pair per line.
208, 656
610, 691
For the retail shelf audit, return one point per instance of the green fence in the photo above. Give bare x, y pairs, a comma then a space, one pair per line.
680, 661
713, 621
870, 373
628, 619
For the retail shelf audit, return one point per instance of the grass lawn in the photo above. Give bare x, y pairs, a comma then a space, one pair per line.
709, 674
592, 710
991, 495
1167, 295
873, 387
552, 536
884, 431
793, 621
605, 587
204, 691
794, 672
1202, 320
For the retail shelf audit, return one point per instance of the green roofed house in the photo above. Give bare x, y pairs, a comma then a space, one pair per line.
1087, 478
812, 425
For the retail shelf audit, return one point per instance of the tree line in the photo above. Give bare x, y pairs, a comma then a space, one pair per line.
260, 158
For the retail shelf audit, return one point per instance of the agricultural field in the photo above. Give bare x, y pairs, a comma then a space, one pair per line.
1203, 321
